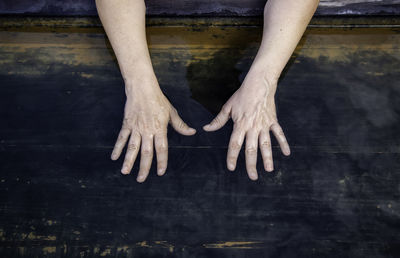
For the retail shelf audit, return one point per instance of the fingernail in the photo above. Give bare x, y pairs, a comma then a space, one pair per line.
231, 166
270, 168
124, 170
140, 178
160, 171
253, 175
206, 127
113, 156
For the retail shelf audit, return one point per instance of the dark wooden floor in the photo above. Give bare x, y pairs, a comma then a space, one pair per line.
61, 106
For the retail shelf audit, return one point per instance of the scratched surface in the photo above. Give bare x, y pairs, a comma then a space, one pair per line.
61, 104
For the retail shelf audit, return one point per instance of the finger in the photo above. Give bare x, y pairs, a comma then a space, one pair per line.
119, 145
235, 144
131, 153
280, 136
251, 154
266, 152
161, 143
178, 124
219, 121
146, 156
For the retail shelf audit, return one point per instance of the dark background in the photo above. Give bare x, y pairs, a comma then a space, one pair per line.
61, 107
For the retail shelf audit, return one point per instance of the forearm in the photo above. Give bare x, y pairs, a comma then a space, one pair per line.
124, 23
284, 23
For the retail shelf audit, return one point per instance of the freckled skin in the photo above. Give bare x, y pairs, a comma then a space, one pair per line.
252, 107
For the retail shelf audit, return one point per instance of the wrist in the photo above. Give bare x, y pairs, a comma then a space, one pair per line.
136, 68
266, 70
141, 85
262, 76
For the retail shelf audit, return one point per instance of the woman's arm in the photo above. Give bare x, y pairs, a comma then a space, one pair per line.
252, 107
124, 23
147, 110
284, 23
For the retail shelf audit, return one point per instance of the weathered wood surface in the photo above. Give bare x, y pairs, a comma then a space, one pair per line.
61, 104
199, 7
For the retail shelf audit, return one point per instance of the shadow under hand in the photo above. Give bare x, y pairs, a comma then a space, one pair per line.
214, 80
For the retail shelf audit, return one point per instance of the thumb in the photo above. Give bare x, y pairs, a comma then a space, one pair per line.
219, 121
178, 124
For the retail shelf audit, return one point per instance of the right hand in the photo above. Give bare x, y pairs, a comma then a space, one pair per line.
146, 117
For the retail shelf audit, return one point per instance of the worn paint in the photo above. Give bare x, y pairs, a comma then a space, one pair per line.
123, 248
106, 252
49, 250
33, 236
234, 244
51, 222
78, 49
339, 174
142, 244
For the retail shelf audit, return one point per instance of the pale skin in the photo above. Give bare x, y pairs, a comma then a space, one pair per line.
251, 108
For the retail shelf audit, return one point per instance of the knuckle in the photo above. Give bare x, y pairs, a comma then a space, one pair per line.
124, 134
157, 124
265, 144
174, 111
162, 148
217, 121
248, 114
125, 122
231, 159
278, 129
182, 124
146, 152
124, 128
159, 130
251, 151
132, 147
135, 134
235, 145
225, 109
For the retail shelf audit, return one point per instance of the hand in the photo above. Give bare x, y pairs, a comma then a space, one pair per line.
146, 117
252, 109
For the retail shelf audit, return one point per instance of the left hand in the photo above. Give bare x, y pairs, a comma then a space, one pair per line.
252, 109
